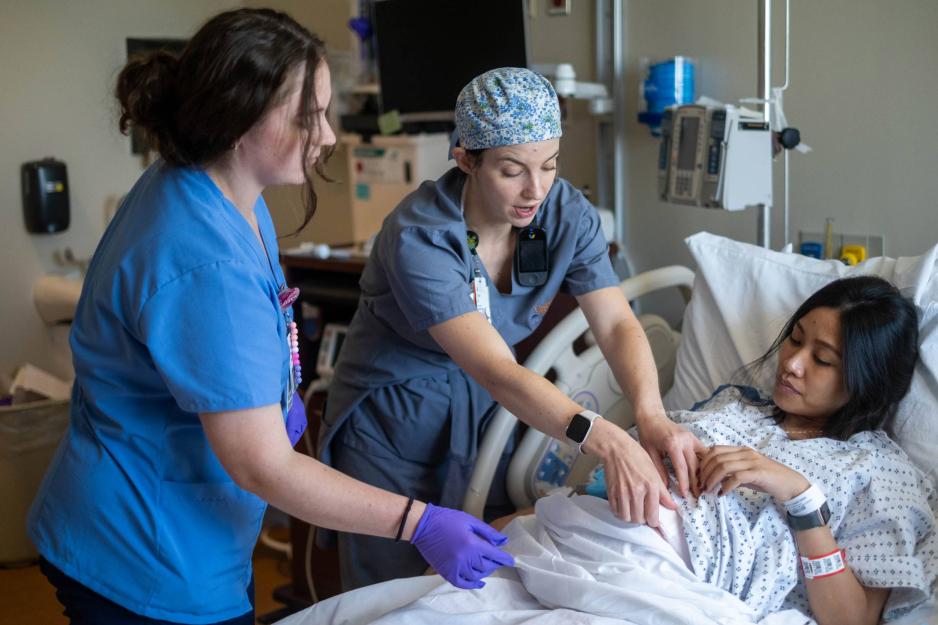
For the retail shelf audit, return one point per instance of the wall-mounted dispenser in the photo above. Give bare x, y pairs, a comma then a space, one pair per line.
45, 196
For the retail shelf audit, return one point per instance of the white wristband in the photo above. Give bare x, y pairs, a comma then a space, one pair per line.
807, 502
824, 566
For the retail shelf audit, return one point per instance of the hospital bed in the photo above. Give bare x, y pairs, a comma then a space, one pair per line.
714, 337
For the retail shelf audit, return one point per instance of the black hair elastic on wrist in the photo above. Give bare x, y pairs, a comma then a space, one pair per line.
400, 529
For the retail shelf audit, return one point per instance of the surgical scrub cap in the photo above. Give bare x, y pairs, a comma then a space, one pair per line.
506, 106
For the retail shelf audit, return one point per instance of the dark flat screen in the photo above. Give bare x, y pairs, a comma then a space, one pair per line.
533, 255
429, 49
688, 148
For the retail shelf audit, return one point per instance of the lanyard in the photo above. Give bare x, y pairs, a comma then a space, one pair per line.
286, 297
478, 284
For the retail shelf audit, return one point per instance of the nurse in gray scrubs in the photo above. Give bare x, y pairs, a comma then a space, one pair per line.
444, 297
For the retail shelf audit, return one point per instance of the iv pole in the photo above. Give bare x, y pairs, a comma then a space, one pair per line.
614, 72
612, 182
764, 88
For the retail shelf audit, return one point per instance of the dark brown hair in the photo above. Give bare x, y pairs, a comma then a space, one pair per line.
195, 107
879, 330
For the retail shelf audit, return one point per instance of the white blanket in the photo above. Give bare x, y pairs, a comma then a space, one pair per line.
576, 563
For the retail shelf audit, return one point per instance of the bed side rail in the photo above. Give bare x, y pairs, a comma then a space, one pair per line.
542, 358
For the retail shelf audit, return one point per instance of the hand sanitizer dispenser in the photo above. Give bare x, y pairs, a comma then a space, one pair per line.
45, 196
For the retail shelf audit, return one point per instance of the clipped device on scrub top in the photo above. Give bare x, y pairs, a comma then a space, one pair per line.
531, 262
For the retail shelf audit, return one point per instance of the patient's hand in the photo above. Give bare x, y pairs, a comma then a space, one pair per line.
501, 522
731, 467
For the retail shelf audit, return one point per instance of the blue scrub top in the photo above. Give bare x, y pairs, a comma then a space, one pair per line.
418, 275
178, 315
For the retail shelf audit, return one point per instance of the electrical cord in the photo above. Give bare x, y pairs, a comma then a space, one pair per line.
315, 386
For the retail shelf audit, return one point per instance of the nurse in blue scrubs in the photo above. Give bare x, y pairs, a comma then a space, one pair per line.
184, 412
429, 354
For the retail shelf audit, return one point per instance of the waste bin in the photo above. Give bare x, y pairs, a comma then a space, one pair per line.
29, 435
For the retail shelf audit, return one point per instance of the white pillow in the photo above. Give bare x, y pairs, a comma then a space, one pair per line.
744, 294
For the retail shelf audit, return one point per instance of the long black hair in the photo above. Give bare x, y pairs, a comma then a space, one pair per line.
879, 336
194, 108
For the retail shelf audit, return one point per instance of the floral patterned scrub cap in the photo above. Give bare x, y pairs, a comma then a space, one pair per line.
506, 106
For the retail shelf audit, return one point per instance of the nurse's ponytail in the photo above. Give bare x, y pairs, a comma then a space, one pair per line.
146, 92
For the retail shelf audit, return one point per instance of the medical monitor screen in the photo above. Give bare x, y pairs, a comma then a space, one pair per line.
687, 151
429, 49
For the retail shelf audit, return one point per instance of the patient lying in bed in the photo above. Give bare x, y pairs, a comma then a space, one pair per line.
741, 542
845, 360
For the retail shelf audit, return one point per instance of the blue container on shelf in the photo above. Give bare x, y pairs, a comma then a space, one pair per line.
812, 249
668, 83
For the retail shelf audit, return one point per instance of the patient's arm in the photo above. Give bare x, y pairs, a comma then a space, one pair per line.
501, 522
839, 599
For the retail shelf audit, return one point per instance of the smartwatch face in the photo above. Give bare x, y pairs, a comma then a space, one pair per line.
578, 428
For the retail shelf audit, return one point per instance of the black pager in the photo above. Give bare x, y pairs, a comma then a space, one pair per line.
531, 263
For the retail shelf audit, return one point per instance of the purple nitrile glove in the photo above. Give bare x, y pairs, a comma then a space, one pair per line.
459, 546
296, 419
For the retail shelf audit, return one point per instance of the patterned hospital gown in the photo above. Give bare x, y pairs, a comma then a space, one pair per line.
881, 512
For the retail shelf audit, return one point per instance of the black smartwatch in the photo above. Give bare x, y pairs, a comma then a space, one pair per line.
580, 427
818, 518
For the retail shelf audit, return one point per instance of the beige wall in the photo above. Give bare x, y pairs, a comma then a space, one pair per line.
59, 62
862, 92
569, 39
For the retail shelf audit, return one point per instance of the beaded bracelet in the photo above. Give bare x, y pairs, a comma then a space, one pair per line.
400, 529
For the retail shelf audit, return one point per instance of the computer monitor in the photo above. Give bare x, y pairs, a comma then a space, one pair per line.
428, 50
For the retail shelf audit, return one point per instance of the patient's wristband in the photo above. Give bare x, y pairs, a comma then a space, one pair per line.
806, 502
824, 566
808, 510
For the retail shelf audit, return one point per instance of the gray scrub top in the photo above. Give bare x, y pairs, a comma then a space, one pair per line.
419, 273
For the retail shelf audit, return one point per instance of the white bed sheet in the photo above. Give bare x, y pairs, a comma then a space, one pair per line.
576, 563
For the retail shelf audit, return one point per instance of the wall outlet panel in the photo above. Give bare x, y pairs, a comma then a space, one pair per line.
873, 242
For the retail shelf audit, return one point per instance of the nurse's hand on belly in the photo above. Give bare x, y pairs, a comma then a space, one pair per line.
662, 438
633, 486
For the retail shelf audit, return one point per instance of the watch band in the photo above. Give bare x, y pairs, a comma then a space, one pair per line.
816, 518
580, 427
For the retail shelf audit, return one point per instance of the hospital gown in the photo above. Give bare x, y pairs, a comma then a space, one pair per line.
881, 512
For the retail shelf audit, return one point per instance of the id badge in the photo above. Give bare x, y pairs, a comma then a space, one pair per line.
480, 295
